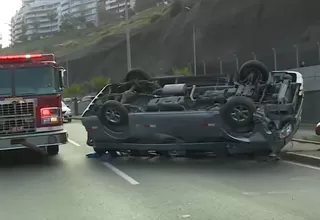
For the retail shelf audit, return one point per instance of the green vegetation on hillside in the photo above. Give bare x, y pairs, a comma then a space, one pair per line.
184, 71
69, 42
94, 86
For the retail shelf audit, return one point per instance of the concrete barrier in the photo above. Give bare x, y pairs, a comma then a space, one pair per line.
77, 108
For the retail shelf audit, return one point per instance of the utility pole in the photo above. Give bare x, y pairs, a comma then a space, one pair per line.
67, 68
275, 58
194, 50
128, 36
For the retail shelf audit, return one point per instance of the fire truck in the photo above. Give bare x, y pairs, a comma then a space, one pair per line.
30, 103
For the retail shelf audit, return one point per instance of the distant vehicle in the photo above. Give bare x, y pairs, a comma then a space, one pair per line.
87, 98
257, 113
66, 111
67, 100
30, 102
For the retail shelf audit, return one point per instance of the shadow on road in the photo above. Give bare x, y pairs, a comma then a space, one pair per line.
225, 164
25, 157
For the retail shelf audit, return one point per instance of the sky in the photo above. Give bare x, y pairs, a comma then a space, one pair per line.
7, 9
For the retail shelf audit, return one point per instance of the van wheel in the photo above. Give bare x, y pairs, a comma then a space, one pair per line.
137, 74
53, 150
253, 71
113, 113
238, 112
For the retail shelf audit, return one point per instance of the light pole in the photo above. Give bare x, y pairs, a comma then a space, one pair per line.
318, 44
204, 67
128, 36
190, 67
194, 45
221, 65
254, 56
274, 58
194, 50
237, 61
67, 68
297, 54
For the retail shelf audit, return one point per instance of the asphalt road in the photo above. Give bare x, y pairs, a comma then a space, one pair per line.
73, 187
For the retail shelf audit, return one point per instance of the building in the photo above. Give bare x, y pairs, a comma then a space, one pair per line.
41, 18
35, 19
79, 8
118, 5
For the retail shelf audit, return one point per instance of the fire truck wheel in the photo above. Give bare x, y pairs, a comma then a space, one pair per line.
53, 150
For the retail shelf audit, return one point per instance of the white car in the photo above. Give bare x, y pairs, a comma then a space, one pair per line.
66, 111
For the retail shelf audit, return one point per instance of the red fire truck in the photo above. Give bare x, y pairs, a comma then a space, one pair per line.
30, 103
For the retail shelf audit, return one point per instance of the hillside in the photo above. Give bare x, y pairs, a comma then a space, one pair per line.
223, 28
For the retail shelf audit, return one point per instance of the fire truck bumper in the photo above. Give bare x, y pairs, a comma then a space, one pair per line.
43, 139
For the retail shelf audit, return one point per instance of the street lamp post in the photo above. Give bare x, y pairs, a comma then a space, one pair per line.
237, 61
194, 45
254, 56
128, 36
67, 68
318, 44
190, 67
194, 50
221, 65
204, 67
274, 58
297, 54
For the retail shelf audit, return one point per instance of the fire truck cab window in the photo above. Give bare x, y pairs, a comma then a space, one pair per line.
5, 83
38, 80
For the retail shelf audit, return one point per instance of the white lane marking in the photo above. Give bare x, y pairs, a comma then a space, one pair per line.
276, 192
304, 155
306, 178
121, 174
74, 143
302, 165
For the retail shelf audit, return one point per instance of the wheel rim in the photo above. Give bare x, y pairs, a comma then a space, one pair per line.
113, 116
240, 113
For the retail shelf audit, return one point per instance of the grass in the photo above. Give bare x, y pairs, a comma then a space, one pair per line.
64, 44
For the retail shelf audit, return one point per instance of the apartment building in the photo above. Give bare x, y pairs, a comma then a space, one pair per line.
42, 18
76, 8
118, 5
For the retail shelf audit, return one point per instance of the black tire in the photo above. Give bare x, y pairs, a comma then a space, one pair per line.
53, 150
255, 66
118, 114
245, 108
137, 74
69, 120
